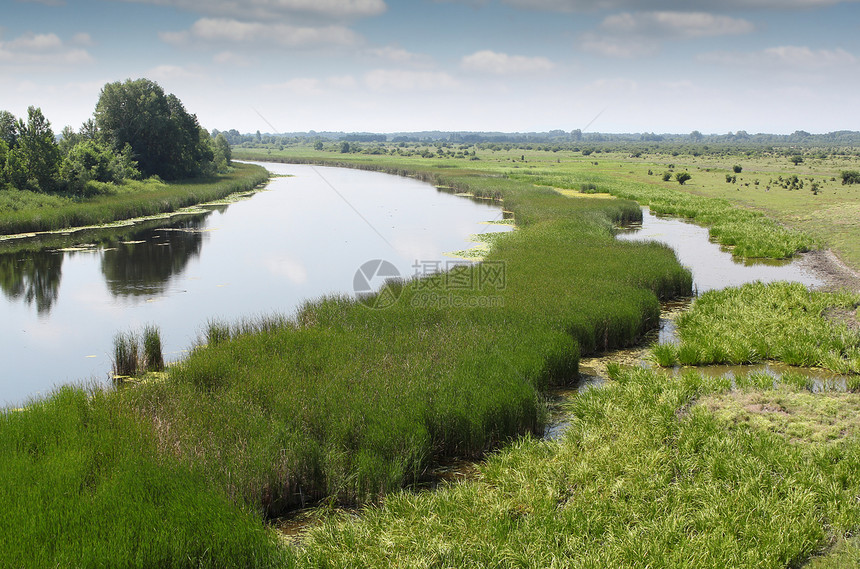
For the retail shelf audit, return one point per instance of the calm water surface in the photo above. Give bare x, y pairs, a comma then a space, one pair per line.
713, 268
304, 237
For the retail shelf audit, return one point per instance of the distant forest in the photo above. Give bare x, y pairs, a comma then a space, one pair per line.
799, 138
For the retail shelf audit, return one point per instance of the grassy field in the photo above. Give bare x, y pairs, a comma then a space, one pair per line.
28, 212
349, 404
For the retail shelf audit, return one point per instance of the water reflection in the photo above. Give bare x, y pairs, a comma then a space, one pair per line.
32, 277
145, 264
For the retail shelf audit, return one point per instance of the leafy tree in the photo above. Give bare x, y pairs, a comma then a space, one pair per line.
796, 159
38, 152
667, 176
165, 140
344, 147
223, 153
737, 169
318, 145
682, 177
8, 128
92, 161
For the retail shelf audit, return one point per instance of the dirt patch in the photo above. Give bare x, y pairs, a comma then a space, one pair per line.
843, 316
829, 268
766, 408
799, 416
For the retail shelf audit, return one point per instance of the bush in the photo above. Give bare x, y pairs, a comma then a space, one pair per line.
850, 177
682, 177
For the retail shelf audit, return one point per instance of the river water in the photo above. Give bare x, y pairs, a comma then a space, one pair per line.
303, 237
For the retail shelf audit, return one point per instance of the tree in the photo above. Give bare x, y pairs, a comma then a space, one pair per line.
38, 151
796, 159
165, 140
737, 169
696, 136
682, 177
8, 128
92, 161
223, 153
344, 147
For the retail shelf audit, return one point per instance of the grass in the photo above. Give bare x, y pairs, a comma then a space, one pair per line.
26, 212
759, 322
136, 354
644, 476
344, 402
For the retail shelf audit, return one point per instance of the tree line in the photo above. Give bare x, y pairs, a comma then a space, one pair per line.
137, 131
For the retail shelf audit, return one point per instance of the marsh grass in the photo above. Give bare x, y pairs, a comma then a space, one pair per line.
644, 476
758, 322
126, 359
152, 352
137, 353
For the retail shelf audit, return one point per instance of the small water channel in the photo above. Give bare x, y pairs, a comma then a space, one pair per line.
305, 236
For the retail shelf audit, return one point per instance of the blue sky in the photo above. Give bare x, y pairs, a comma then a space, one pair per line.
492, 65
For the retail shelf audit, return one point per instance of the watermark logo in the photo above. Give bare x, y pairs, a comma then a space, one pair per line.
373, 275
434, 284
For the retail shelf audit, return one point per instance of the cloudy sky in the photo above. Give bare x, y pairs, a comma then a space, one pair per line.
402, 65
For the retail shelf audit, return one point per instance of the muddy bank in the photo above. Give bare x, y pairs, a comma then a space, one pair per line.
830, 269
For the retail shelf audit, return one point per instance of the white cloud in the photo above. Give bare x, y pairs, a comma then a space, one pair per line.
674, 24
82, 39
231, 59
269, 9
791, 57
704, 5
403, 80
487, 61
639, 34
41, 50
219, 30
399, 55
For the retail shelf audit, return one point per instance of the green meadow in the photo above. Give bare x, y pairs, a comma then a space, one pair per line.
350, 405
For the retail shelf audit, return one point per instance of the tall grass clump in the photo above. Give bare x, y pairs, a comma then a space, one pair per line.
126, 359
758, 322
137, 353
152, 352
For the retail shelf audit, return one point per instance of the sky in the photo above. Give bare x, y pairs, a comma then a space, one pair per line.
664, 66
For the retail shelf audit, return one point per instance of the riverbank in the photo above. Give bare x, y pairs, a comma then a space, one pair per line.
30, 213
